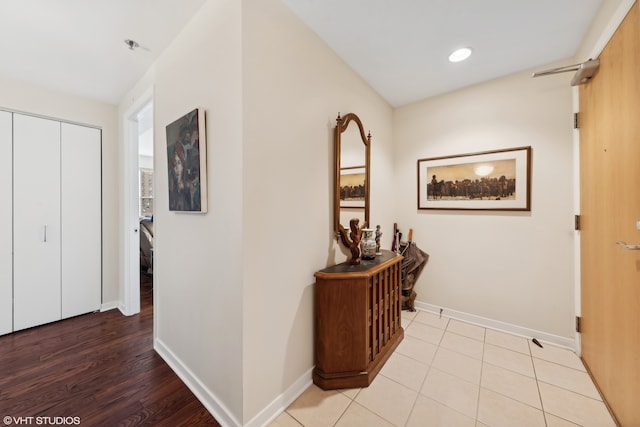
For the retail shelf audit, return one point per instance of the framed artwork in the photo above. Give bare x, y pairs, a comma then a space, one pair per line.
187, 162
352, 187
489, 180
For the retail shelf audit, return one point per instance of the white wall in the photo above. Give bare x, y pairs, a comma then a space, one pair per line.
606, 21
19, 96
198, 275
515, 268
294, 87
233, 288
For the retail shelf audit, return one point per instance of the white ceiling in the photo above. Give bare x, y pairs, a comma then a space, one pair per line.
77, 46
399, 46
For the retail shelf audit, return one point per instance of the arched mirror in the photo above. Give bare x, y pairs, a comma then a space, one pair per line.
352, 189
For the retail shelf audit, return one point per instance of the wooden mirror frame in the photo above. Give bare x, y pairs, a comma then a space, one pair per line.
342, 123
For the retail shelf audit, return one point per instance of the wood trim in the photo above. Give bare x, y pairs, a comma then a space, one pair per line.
610, 204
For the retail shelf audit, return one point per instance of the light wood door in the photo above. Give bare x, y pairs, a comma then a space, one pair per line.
81, 220
6, 224
36, 216
610, 208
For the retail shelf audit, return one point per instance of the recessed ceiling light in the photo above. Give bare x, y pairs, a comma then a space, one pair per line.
460, 54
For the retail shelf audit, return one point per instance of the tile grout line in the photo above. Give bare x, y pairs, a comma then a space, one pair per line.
446, 329
484, 342
420, 388
352, 401
430, 364
535, 375
555, 361
413, 406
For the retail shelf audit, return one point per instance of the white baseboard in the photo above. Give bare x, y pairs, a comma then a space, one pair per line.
500, 326
106, 306
202, 393
123, 309
282, 402
216, 408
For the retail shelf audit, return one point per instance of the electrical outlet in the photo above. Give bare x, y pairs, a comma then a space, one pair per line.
637, 225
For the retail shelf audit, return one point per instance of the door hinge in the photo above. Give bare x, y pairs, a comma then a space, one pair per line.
578, 324
576, 120
576, 225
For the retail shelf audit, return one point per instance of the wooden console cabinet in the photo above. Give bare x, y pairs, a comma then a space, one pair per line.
357, 320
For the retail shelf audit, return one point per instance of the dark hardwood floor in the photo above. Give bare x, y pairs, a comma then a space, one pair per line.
99, 367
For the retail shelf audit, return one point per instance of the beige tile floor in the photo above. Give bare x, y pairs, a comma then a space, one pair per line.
450, 373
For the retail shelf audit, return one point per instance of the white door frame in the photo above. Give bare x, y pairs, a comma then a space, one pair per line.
130, 295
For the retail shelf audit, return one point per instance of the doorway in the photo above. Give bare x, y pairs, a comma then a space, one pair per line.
146, 200
610, 222
138, 135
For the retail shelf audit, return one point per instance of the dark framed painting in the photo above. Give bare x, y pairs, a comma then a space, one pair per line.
488, 180
187, 162
353, 187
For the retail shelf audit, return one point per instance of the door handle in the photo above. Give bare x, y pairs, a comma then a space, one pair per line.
628, 247
44, 237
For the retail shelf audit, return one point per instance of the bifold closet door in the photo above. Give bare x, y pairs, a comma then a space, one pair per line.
36, 219
6, 225
81, 220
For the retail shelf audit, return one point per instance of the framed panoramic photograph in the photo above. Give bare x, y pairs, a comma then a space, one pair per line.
489, 180
187, 161
352, 187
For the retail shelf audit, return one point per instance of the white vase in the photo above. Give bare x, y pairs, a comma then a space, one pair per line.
368, 244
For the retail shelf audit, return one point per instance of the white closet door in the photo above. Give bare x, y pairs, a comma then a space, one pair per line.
81, 220
36, 215
6, 225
